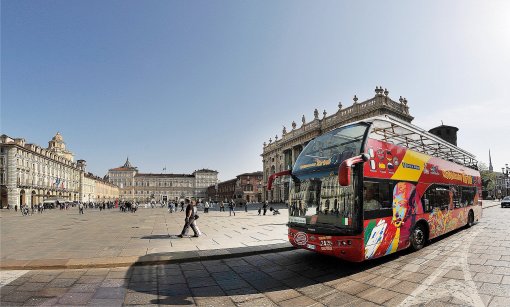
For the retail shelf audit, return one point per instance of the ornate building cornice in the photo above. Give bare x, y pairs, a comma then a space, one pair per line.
380, 104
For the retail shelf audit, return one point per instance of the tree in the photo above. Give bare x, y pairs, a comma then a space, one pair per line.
488, 179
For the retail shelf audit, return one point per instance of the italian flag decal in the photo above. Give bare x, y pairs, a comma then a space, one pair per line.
345, 221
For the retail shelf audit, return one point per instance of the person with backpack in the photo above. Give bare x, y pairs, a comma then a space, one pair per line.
232, 206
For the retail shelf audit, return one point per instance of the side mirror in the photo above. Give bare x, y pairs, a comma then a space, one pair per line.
345, 169
276, 175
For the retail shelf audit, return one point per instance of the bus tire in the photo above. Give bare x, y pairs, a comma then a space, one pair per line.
471, 219
418, 237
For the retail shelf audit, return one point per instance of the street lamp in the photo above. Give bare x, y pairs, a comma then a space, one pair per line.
506, 180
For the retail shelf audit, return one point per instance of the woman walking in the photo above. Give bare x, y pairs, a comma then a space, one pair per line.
190, 220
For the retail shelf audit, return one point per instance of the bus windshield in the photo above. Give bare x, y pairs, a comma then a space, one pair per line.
317, 201
322, 203
331, 149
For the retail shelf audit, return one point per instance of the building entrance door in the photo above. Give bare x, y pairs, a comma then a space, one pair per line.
22, 200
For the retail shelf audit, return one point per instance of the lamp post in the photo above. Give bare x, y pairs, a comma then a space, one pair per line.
506, 179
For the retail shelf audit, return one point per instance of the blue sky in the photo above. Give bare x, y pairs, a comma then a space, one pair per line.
202, 84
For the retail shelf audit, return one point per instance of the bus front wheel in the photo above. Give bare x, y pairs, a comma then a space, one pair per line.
418, 237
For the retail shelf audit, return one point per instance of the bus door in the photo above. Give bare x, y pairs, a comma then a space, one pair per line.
389, 214
377, 216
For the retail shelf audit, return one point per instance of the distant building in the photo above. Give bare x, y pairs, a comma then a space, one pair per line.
30, 174
244, 188
98, 190
160, 187
281, 154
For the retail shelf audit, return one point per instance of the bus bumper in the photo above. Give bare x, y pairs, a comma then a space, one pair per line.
349, 248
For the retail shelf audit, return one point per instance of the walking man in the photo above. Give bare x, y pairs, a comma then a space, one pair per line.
190, 220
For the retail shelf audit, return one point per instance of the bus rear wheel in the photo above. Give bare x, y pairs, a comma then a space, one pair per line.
471, 219
418, 237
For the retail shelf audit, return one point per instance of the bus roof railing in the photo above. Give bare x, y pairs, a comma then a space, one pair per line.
390, 129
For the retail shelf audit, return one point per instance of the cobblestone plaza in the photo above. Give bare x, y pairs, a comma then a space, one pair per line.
470, 267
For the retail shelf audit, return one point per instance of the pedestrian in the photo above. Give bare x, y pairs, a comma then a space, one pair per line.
265, 207
206, 207
260, 210
182, 206
246, 207
231, 207
80, 208
16, 208
190, 219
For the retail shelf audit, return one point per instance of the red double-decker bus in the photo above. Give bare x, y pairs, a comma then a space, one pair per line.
377, 186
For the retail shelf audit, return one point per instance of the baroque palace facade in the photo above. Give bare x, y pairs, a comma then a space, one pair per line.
30, 174
147, 187
281, 154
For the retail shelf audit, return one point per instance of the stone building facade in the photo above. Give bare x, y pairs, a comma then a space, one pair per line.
244, 188
30, 174
98, 190
147, 187
281, 154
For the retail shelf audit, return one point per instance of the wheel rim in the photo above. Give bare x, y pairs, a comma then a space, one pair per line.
418, 236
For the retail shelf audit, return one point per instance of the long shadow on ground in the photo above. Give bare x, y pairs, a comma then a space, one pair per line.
211, 281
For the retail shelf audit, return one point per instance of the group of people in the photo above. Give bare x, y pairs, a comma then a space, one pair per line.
128, 207
173, 207
26, 210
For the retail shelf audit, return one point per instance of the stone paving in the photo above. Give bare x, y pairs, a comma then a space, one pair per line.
470, 267
66, 239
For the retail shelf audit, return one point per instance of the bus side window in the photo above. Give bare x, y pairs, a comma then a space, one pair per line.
377, 195
468, 196
386, 192
436, 196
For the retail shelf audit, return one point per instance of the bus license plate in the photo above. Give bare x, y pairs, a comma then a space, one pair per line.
310, 246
